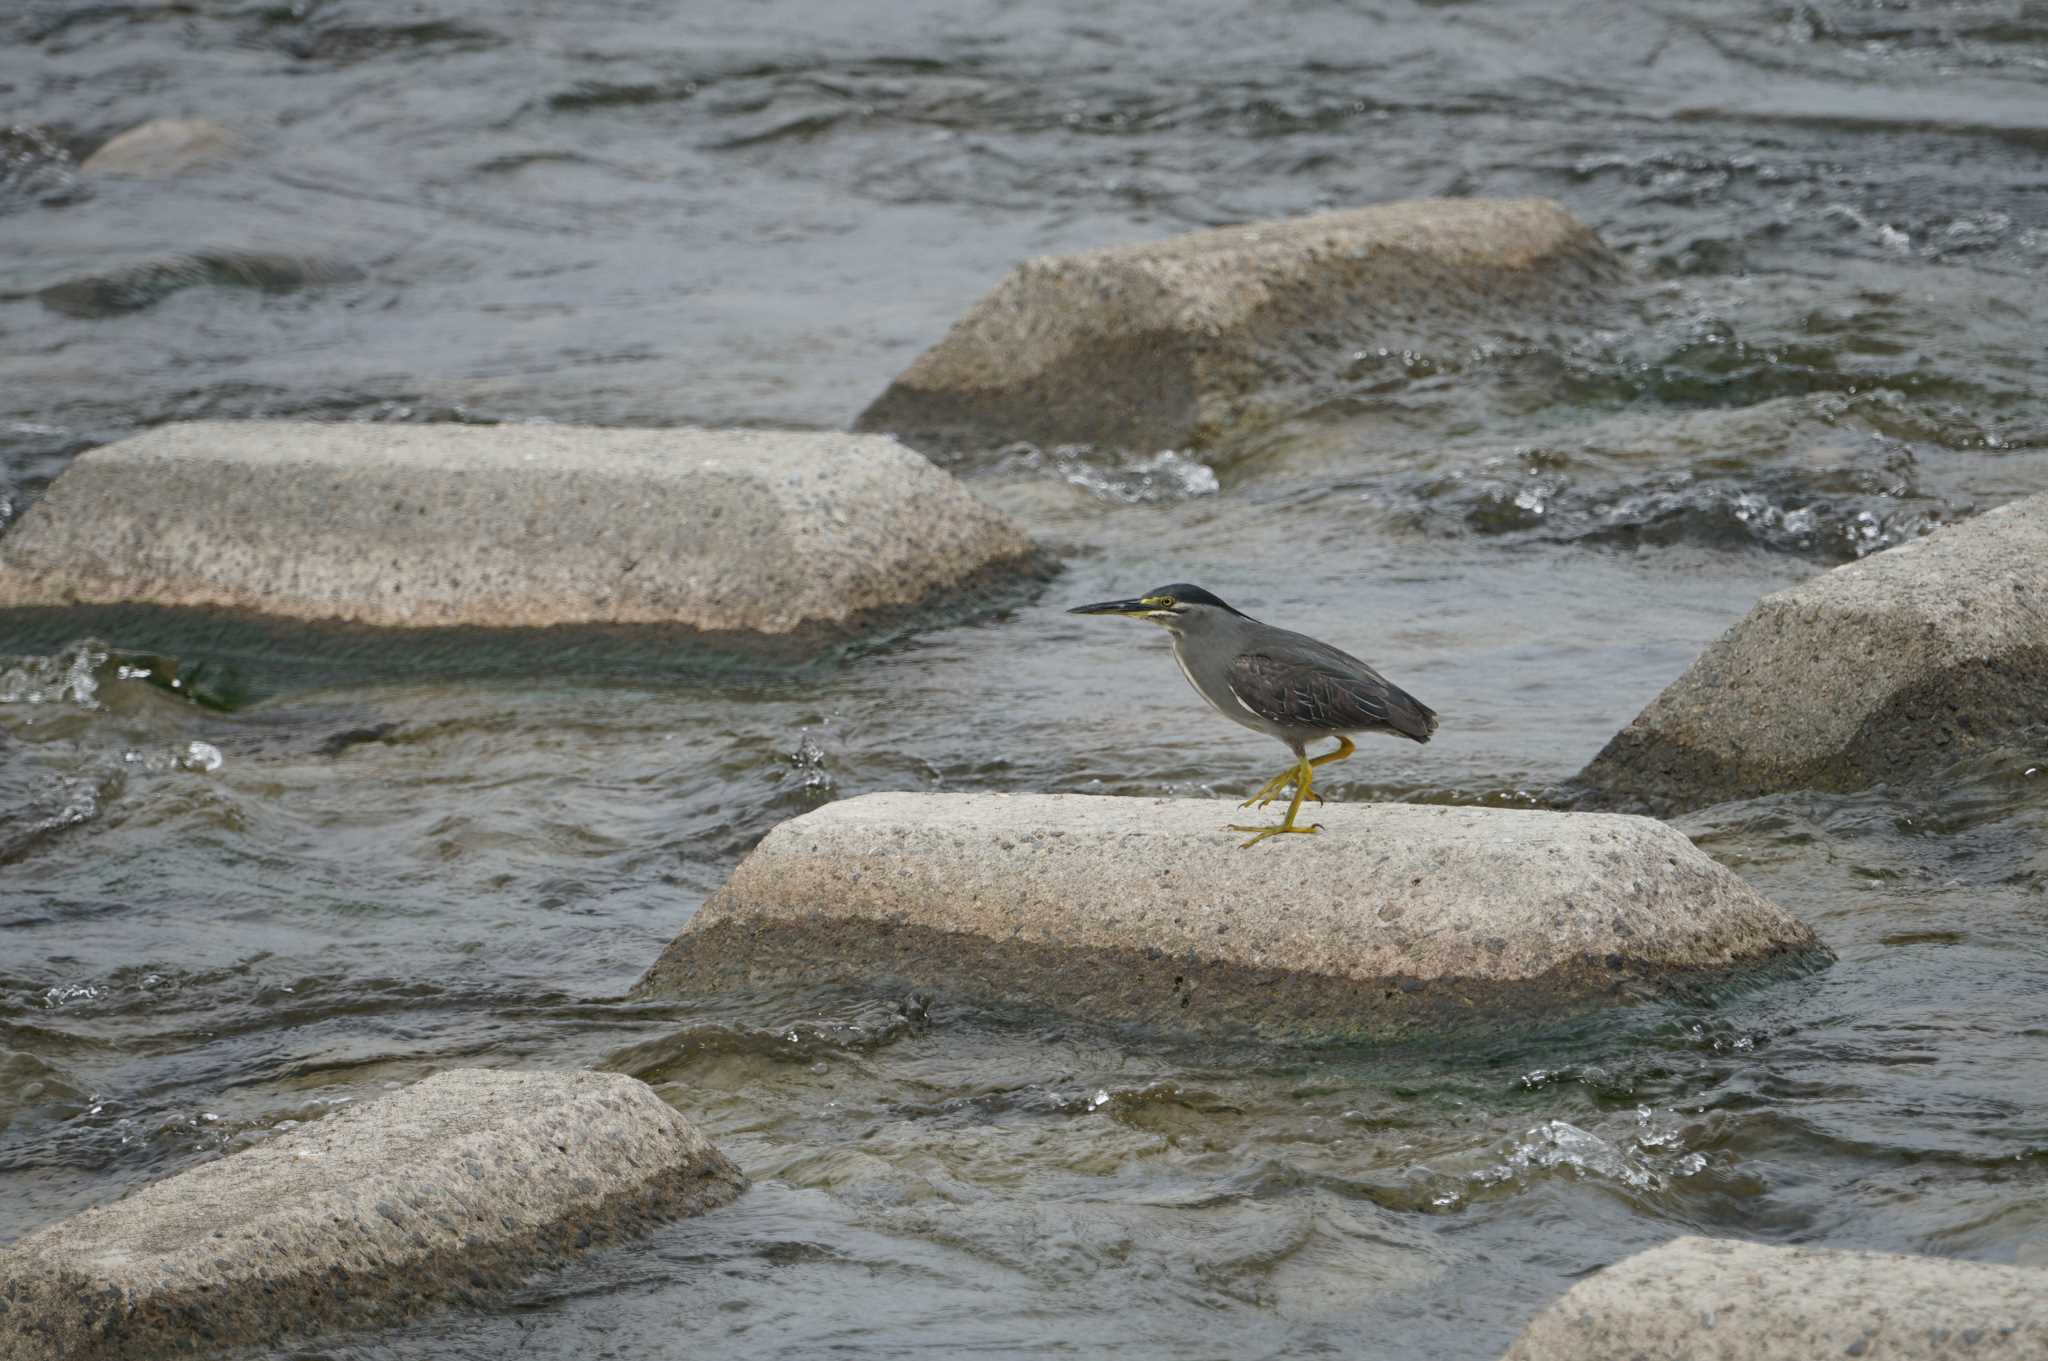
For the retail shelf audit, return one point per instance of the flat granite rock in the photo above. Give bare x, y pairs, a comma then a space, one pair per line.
1888, 669
511, 526
1708, 1299
455, 1187
1176, 343
1396, 919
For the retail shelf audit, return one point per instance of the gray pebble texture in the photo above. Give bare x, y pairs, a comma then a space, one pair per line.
725, 531
1886, 670
456, 1187
1395, 918
1180, 342
1705, 1299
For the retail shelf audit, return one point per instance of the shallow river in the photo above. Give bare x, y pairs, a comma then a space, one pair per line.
463, 851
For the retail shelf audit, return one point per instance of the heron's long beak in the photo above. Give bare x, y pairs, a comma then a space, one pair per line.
1134, 608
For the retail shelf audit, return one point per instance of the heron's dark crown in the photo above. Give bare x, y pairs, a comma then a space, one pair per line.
1189, 594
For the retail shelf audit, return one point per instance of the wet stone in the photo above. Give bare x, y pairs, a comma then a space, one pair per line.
1174, 343
1713, 1297
142, 284
1148, 911
163, 147
739, 532
285, 1223
1890, 669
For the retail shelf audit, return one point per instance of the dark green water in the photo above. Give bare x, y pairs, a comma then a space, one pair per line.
1837, 221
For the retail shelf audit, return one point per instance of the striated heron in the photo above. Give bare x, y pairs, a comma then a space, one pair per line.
1286, 685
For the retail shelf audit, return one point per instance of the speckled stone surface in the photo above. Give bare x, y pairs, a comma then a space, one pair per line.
1707, 1299
455, 1187
1396, 918
742, 531
1168, 344
1888, 669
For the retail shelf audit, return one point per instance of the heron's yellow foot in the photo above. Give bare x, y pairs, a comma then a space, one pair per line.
1303, 776
1261, 833
1271, 790
1275, 786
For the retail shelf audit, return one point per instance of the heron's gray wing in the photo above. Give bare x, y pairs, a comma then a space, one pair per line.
1339, 693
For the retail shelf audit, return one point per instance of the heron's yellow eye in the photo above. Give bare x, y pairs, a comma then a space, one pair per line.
1157, 602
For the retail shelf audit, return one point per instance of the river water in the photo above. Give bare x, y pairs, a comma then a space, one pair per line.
380, 861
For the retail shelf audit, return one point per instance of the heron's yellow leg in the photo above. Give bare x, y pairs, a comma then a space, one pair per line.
1303, 775
1345, 746
1271, 791
1273, 787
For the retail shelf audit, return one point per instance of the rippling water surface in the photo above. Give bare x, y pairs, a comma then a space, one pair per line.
345, 869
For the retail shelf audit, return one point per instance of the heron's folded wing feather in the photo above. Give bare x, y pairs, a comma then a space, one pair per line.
1306, 692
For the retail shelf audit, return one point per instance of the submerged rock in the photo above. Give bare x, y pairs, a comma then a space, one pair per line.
464, 1183
36, 168
132, 288
750, 532
1174, 343
1704, 1297
163, 147
1882, 670
1397, 919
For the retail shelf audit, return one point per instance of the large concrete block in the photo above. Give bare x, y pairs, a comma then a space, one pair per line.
464, 1183
1395, 919
1167, 344
1882, 670
1710, 1299
728, 531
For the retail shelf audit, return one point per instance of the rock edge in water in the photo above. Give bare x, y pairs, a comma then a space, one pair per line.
456, 1187
1398, 919
1168, 344
724, 531
1706, 1297
1888, 669
163, 147
145, 283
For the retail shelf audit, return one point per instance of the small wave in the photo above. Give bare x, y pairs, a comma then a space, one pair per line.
32, 1087
1782, 511
36, 169
1127, 479
1558, 1145
346, 44
808, 767
1652, 1158
874, 1026
41, 806
71, 676
135, 287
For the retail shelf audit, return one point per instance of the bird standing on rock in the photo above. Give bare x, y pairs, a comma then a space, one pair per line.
1286, 685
